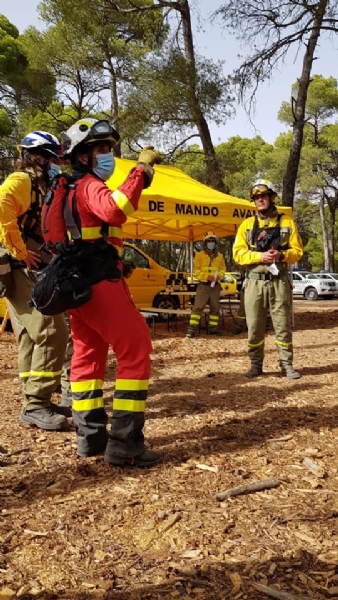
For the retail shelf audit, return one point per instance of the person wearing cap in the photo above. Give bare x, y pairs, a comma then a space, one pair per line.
266, 245
109, 317
209, 269
41, 340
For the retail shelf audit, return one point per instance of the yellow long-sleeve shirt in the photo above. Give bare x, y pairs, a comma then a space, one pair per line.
290, 242
206, 265
15, 200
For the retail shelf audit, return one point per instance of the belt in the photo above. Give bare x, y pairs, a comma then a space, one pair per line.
261, 276
204, 282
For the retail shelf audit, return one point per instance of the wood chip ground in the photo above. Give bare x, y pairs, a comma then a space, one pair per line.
77, 529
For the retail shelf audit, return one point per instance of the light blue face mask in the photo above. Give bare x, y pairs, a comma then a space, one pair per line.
105, 166
211, 245
53, 170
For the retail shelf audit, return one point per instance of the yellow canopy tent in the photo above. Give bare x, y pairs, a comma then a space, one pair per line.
178, 208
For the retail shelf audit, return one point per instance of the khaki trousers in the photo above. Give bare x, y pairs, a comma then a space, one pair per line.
260, 296
42, 344
240, 317
205, 294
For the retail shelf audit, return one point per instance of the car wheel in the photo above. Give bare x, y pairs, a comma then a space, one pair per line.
311, 294
170, 302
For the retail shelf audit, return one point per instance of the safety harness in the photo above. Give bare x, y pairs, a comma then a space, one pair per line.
76, 265
264, 238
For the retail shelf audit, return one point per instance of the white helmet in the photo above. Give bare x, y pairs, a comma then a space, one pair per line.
210, 235
262, 186
87, 131
41, 140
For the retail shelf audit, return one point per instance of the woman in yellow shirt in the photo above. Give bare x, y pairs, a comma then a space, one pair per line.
42, 340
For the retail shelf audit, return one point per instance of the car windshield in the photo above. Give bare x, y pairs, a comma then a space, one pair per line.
309, 275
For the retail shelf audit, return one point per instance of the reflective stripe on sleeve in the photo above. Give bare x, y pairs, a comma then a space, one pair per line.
123, 202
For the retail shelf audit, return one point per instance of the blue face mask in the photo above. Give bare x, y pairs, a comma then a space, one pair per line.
105, 166
53, 170
211, 245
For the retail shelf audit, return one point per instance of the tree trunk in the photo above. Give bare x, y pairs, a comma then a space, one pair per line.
324, 231
114, 105
290, 178
331, 236
213, 171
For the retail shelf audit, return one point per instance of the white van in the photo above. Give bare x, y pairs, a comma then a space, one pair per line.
312, 286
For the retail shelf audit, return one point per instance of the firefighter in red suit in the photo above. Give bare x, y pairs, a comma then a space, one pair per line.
110, 317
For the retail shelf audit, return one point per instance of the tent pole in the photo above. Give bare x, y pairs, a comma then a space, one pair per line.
191, 258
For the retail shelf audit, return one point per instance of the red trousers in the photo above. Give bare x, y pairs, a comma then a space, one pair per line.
109, 318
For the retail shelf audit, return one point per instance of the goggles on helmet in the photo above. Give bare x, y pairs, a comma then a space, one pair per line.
87, 131
100, 130
259, 191
262, 187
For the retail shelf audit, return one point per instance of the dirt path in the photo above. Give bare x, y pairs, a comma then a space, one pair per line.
77, 529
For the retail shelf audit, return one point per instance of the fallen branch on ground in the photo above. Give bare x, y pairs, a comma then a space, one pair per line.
248, 488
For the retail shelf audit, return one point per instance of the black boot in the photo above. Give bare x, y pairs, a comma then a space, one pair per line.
147, 458
254, 371
191, 332
289, 372
44, 418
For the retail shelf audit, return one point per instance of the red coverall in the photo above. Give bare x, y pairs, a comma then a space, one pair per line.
109, 318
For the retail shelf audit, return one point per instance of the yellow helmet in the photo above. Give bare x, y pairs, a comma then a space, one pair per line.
210, 235
262, 186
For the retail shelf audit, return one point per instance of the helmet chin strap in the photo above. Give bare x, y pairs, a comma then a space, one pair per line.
28, 157
41, 168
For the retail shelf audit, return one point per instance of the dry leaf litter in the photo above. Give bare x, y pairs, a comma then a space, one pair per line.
79, 529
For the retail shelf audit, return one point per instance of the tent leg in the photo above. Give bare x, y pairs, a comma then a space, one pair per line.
191, 260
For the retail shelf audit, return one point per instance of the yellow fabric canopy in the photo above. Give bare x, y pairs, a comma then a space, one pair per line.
178, 208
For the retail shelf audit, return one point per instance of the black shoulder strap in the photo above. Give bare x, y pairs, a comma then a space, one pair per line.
72, 226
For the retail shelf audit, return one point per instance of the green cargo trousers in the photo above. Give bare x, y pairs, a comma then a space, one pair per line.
259, 297
42, 344
206, 294
240, 317
65, 375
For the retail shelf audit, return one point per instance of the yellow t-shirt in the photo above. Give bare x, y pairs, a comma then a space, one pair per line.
15, 200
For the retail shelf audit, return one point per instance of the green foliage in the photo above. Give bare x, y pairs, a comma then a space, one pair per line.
13, 62
6, 124
321, 103
242, 161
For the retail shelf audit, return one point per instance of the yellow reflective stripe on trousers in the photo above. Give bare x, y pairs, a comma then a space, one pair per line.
129, 405
94, 233
88, 404
256, 345
131, 384
130, 395
24, 374
45, 373
123, 202
286, 344
86, 386
194, 320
